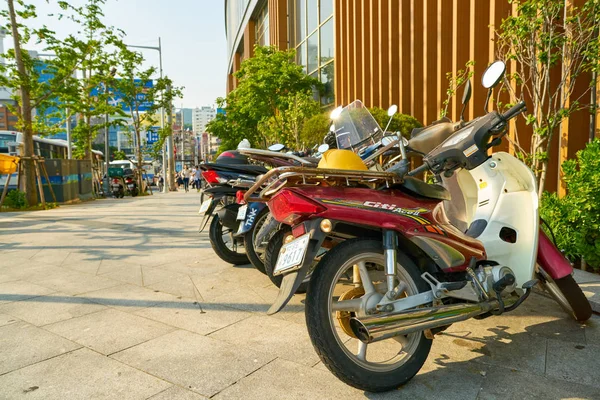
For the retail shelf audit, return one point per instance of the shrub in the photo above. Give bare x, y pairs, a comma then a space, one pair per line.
314, 129
575, 218
16, 199
400, 123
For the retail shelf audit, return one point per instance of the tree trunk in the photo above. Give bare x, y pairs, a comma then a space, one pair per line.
140, 162
28, 167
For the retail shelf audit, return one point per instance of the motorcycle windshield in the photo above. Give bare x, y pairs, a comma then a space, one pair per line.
356, 128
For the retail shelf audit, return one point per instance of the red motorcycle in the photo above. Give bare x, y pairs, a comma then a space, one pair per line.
398, 270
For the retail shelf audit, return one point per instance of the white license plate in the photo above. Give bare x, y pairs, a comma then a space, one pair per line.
292, 254
241, 215
130, 186
205, 206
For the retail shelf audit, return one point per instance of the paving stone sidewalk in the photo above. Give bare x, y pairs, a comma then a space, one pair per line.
123, 299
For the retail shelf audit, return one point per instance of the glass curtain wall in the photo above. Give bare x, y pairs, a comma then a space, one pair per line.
312, 32
262, 27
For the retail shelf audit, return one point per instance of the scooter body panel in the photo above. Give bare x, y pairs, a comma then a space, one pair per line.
507, 207
417, 219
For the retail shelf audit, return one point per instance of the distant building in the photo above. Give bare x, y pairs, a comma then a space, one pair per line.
201, 117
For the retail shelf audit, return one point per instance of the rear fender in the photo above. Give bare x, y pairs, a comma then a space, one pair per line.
251, 213
292, 281
551, 260
209, 212
228, 216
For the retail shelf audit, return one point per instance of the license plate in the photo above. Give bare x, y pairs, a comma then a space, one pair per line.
205, 206
130, 186
241, 215
292, 254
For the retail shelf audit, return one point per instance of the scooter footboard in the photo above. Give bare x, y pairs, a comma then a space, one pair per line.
551, 259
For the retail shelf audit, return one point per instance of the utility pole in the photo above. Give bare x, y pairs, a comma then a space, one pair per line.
170, 146
69, 144
165, 153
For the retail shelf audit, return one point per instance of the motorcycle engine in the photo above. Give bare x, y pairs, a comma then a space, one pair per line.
489, 275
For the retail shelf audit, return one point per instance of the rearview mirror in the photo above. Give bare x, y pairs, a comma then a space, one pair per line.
335, 114
493, 74
466, 93
276, 147
323, 148
392, 110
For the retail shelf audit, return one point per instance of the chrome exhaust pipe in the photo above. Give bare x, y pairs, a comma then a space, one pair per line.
380, 327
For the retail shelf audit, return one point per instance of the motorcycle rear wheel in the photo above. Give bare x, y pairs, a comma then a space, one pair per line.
568, 295
215, 234
390, 363
271, 255
249, 238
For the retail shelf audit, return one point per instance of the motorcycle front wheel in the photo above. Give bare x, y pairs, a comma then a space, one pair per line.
331, 302
568, 294
223, 243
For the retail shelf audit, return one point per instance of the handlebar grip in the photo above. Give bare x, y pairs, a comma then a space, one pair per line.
514, 110
418, 170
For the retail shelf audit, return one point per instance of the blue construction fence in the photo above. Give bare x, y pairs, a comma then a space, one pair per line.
70, 180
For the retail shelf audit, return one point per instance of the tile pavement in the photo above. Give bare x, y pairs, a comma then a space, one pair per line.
123, 299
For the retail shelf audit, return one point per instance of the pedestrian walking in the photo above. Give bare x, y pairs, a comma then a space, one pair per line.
179, 180
186, 178
198, 178
161, 183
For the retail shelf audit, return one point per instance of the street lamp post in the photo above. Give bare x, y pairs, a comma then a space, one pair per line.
168, 178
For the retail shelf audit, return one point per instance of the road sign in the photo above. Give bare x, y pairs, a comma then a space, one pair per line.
152, 135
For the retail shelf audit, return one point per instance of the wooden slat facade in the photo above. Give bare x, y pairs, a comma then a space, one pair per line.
406, 47
399, 52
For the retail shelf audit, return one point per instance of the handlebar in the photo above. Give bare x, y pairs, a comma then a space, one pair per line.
514, 110
418, 170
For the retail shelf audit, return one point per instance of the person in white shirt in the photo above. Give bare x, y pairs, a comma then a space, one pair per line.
186, 178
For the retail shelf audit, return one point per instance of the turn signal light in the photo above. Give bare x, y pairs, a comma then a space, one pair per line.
291, 208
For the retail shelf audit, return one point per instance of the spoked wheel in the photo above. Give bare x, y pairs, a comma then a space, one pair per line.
568, 294
349, 280
223, 243
250, 243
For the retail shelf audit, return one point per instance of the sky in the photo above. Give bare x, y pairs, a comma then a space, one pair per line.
192, 33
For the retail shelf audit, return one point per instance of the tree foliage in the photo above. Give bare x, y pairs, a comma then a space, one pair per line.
263, 108
553, 48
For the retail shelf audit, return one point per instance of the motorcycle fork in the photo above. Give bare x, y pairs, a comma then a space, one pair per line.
390, 246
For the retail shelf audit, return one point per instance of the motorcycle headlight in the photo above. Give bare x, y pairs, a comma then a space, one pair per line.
458, 137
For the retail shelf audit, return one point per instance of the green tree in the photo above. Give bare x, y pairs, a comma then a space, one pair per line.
20, 73
89, 95
143, 101
286, 126
119, 155
267, 86
552, 48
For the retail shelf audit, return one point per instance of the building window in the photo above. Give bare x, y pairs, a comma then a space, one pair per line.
262, 27
313, 34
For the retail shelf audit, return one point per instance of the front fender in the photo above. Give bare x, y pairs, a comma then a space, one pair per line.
551, 260
292, 281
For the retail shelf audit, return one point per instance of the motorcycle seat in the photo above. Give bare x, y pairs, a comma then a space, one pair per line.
424, 189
